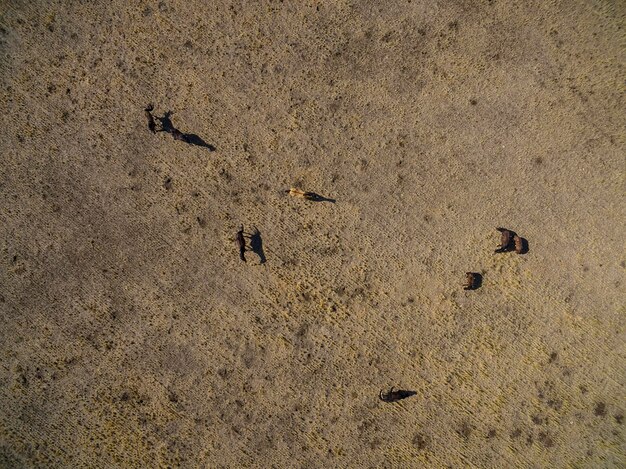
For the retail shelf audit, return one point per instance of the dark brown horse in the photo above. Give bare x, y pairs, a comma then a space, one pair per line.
241, 244
472, 281
394, 396
151, 124
506, 240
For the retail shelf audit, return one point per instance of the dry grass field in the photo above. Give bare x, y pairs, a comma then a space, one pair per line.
132, 336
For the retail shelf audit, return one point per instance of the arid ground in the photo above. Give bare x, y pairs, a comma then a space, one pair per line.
132, 336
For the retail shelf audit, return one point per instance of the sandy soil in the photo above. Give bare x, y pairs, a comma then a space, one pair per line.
132, 334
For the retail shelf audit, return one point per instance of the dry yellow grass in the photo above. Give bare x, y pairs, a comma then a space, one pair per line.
132, 334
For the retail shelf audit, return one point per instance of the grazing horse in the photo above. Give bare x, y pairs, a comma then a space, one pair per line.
151, 124
394, 396
241, 244
308, 195
506, 239
472, 281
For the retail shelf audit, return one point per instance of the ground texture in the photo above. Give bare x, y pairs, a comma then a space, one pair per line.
133, 336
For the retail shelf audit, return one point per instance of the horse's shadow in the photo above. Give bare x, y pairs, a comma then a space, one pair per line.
256, 245
525, 247
166, 122
320, 198
193, 139
168, 126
